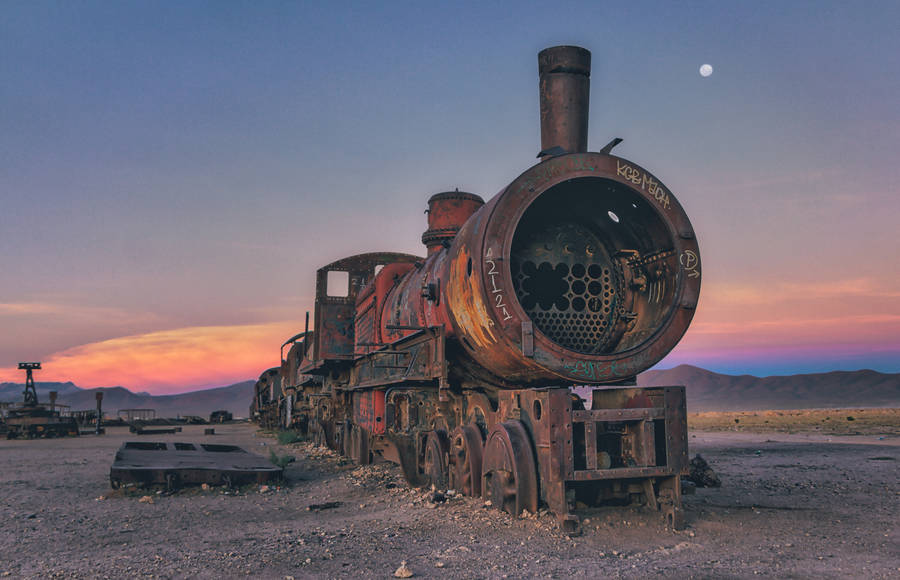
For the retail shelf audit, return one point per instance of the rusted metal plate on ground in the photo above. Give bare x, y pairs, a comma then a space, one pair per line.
171, 464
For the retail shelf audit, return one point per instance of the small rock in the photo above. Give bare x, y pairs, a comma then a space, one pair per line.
403, 571
702, 474
438, 564
146, 499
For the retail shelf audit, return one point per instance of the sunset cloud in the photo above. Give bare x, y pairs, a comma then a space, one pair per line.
773, 293
169, 361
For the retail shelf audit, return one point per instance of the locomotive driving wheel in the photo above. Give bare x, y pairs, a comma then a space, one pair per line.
436, 455
509, 476
465, 460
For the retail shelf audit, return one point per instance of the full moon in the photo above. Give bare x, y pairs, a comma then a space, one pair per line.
706, 70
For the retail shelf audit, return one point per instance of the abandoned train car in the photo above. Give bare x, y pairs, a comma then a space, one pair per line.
584, 270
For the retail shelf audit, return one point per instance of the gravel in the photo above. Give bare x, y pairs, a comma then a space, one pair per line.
788, 506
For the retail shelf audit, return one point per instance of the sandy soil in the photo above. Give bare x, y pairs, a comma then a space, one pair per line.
790, 506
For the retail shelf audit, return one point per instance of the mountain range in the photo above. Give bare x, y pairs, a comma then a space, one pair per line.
709, 391
706, 391
233, 398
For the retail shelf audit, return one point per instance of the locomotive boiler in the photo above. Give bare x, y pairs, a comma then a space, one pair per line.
584, 270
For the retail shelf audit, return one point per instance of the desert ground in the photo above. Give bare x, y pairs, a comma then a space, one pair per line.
801, 497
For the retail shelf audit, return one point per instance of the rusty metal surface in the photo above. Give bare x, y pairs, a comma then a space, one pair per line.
607, 299
564, 73
145, 463
335, 307
447, 212
509, 478
465, 460
584, 270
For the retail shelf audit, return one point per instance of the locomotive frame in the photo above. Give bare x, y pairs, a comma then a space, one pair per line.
458, 366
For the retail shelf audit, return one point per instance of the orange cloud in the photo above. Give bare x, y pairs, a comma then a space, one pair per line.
820, 314
169, 361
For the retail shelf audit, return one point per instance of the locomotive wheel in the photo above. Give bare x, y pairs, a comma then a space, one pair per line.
436, 455
509, 476
466, 449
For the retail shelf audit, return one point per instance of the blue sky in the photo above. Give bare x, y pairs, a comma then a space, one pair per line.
175, 166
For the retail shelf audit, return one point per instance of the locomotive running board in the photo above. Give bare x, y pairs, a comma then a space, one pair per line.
145, 463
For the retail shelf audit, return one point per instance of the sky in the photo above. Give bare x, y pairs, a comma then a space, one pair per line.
173, 174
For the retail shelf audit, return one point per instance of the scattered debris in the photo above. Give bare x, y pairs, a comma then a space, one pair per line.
314, 507
702, 475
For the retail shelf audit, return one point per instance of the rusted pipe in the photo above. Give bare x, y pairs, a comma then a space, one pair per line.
565, 73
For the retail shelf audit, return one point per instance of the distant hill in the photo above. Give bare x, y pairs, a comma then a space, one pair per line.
706, 391
234, 398
13, 391
709, 391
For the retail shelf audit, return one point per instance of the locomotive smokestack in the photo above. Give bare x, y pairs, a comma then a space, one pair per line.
565, 83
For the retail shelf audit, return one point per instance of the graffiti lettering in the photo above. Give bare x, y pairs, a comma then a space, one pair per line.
592, 371
497, 291
691, 263
645, 181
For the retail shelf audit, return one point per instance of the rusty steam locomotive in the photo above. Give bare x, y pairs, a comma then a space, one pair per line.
458, 366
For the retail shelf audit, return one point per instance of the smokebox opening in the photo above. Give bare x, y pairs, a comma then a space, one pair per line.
594, 266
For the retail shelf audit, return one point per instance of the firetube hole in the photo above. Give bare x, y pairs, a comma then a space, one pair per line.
594, 268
